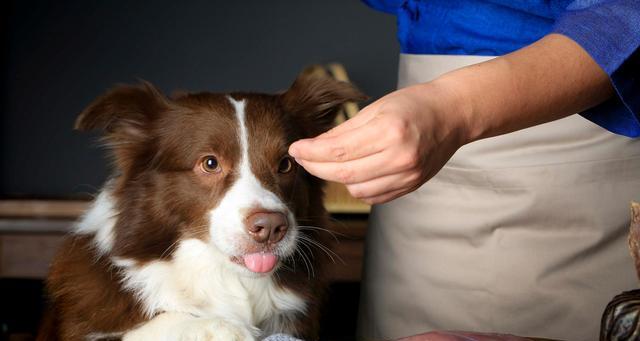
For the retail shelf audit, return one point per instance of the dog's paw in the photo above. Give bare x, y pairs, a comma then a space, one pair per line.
184, 327
212, 330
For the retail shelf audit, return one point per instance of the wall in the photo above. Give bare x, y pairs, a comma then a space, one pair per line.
58, 56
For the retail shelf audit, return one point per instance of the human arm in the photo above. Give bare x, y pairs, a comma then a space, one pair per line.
400, 141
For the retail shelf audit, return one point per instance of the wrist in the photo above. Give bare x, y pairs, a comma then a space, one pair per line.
451, 97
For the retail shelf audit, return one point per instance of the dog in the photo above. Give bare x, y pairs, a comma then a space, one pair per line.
207, 229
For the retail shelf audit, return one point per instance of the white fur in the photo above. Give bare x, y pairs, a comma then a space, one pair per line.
196, 282
226, 220
200, 287
99, 220
177, 326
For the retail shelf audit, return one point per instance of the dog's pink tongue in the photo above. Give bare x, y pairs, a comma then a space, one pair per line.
260, 261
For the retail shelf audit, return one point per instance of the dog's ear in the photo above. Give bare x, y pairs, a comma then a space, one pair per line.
315, 101
124, 114
123, 111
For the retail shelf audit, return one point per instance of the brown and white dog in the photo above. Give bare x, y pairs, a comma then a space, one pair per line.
208, 229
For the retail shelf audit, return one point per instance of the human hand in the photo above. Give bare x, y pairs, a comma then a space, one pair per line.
463, 336
392, 146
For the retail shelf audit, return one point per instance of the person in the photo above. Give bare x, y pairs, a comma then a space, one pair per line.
496, 208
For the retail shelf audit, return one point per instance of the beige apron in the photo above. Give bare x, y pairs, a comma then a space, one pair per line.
523, 233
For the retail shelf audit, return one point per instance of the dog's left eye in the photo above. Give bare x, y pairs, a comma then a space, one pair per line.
286, 165
210, 164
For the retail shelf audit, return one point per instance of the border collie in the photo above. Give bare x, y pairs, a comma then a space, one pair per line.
207, 229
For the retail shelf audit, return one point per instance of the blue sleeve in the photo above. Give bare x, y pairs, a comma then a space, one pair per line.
387, 6
609, 30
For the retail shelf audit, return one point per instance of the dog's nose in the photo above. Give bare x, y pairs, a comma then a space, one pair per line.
267, 226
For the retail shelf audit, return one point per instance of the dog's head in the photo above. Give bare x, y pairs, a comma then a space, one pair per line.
213, 167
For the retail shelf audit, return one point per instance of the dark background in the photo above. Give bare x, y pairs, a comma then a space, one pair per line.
60, 55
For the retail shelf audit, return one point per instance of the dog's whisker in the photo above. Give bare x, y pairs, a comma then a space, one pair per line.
336, 221
291, 258
308, 247
316, 242
322, 247
307, 242
317, 228
286, 267
308, 259
304, 260
331, 219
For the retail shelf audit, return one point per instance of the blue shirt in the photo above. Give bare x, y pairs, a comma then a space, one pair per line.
609, 30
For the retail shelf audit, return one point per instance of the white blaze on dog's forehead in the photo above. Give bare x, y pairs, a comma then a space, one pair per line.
227, 219
100, 220
270, 200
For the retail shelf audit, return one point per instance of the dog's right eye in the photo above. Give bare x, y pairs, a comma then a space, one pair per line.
210, 164
286, 165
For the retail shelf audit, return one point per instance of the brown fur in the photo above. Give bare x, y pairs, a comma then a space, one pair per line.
157, 144
85, 295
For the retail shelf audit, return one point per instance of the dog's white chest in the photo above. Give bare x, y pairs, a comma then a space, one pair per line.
197, 282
